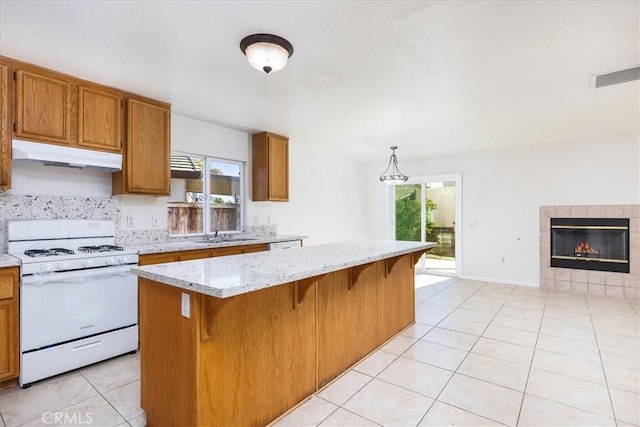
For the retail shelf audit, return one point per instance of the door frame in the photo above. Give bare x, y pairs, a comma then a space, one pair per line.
422, 179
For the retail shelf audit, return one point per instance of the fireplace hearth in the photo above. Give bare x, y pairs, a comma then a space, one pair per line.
600, 244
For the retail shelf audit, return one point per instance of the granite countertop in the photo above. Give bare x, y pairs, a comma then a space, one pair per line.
187, 245
225, 277
8, 261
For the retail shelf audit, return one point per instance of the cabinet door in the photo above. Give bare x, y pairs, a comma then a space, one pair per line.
100, 118
148, 148
9, 356
197, 254
278, 168
5, 124
43, 106
254, 248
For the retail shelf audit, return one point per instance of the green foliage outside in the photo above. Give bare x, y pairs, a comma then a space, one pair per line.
408, 219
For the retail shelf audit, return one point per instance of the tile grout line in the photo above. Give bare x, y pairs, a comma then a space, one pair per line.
533, 355
604, 372
107, 400
462, 361
104, 398
449, 380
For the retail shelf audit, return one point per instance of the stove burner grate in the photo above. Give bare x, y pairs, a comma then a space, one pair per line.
101, 248
47, 252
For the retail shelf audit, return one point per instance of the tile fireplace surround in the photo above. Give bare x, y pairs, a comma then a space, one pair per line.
584, 281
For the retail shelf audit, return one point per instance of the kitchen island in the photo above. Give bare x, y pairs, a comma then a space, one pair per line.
239, 340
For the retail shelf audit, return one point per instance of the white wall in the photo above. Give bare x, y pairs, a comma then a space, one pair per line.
502, 191
327, 197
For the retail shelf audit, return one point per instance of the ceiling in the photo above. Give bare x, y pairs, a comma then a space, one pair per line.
431, 77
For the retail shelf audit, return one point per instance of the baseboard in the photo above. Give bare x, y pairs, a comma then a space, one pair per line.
501, 281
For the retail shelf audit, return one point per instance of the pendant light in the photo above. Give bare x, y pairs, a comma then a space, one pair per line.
266, 52
392, 174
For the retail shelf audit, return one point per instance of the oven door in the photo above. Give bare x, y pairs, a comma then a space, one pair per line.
60, 307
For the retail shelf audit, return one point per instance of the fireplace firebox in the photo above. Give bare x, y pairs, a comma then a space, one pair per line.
590, 244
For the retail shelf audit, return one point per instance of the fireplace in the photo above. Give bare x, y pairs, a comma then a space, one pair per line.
590, 244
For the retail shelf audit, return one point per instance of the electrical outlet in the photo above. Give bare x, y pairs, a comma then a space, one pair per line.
186, 306
155, 222
502, 259
130, 222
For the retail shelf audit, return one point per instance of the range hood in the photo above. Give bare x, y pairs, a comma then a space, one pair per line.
58, 155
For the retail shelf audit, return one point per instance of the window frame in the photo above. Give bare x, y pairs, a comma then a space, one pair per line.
206, 193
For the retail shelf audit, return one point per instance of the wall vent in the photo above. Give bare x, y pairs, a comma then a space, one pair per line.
618, 77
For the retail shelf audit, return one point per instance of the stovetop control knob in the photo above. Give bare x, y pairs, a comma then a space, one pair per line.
87, 263
112, 261
64, 266
46, 268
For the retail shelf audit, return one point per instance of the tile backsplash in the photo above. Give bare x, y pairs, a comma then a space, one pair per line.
55, 207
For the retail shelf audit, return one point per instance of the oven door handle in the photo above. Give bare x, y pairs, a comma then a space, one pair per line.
78, 276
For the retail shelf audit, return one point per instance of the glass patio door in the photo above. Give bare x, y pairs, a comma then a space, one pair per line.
426, 210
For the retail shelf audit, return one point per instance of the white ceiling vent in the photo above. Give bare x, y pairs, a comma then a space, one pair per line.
617, 77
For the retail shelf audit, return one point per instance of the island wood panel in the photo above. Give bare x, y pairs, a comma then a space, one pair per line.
347, 320
396, 296
238, 361
257, 356
168, 355
5, 123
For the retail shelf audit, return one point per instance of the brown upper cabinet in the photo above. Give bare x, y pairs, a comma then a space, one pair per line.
5, 123
99, 118
270, 167
55, 108
44, 106
146, 165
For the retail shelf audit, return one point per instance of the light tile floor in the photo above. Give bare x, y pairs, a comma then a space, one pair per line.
479, 354
483, 354
104, 394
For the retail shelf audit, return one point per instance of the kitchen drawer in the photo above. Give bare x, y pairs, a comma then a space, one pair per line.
6, 287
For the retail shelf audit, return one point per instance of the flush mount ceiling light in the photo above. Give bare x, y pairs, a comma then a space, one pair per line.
266, 52
392, 174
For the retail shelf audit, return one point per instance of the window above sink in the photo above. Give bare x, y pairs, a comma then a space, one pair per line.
206, 195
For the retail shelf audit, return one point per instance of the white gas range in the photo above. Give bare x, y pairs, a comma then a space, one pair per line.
78, 299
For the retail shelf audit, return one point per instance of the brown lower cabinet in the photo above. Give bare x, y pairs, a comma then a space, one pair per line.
9, 332
247, 359
159, 258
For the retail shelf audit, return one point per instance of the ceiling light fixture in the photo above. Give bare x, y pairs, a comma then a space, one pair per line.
266, 52
392, 174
